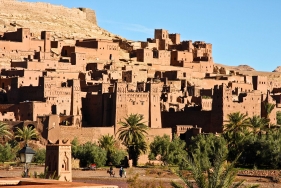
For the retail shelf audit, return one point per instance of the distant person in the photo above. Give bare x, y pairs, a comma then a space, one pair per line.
124, 172
121, 172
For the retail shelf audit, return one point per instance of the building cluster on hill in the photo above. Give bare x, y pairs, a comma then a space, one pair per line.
85, 89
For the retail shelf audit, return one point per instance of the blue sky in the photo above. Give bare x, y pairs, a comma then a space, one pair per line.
241, 31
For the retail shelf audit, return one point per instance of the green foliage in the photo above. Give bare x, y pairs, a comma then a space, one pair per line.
7, 153
219, 174
132, 134
205, 148
88, 153
206, 97
208, 165
45, 175
268, 107
26, 133
108, 143
278, 117
117, 156
170, 152
4, 130
39, 156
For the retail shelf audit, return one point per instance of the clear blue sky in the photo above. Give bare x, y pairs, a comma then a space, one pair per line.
241, 31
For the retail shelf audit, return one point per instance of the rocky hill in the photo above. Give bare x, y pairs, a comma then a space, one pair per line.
278, 69
67, 23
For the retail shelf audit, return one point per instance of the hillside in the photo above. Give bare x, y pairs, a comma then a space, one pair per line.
66, 23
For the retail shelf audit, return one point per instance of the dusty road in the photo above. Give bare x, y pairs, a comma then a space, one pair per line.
145, 176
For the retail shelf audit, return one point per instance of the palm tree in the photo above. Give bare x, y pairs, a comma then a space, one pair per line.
257, 124
220, 173
132, 133
108, 143
4, 130
237, 122
268, 107
26, 133
235, 132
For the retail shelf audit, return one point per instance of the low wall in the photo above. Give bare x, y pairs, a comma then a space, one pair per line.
259, 173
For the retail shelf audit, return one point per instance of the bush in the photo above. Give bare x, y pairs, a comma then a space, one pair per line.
7, 153
89, 153
117, 157
39, 156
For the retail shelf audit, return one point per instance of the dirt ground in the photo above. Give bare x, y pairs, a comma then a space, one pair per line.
144, 177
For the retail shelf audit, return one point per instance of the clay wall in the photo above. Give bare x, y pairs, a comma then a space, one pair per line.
5, 83
30, 93
62, 75
240, 87
85, 134
94, 66
37, 45
181, 56
20, 64
206, 92
134, 76
260, 83
161, 57
175, 38
207, 67
145, 55
173, 75
161, 34
8, 116
171, 119
105, 49
92, 107
115, 74
206, 104
5, 45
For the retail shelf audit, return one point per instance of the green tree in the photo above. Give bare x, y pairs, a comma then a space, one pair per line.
268, 107
278, 117
7, 153
257, 124
88, 153
108, 143
39, 156
117, 156
237, 122
132, 134
235, 132
4, 130
220, 174
170, 152
26, 133
205, 148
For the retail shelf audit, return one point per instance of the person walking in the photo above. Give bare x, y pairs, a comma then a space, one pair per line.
124, 172
121, 172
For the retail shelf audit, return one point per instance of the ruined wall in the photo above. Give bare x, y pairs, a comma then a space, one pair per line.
90, 15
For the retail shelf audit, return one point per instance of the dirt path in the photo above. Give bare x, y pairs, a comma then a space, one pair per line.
145, 176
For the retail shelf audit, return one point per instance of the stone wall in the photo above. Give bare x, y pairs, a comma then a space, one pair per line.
90, 15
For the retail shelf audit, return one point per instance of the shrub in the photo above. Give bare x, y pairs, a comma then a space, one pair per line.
39, 156
7, 153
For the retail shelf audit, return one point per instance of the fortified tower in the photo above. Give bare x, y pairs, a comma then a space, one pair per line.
154, 105
76, 102
221, 107
45, 35
120, 101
